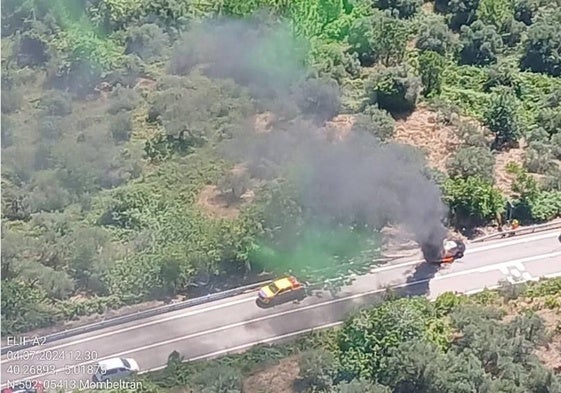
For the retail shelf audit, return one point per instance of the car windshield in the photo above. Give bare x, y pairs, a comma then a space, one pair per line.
273, 288
126, 363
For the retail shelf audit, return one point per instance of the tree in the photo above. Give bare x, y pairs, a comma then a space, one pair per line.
495, 12
541, 47
525, 10
472, 201
360, 386
393, 89
480, 44
502, 74
376, 122
435, 36
458, 12
379, 38
121, 127
149, 42
431, 67
56, 103
319, 98
367, 340
472, 161
234, 185
502, 118
416, 366
318, 369
403, 8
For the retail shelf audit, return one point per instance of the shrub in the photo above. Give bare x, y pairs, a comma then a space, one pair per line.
480, 44
502, 118
120, 127
376, 122
431, 67
12, 100
402, 8
539, 157
541, 47
56, 103
472, 135
394, 90
472, 161
435, 36
472, 201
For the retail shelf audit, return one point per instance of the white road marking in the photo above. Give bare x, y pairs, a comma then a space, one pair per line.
499, 266
189, 313
474, 250
292, 311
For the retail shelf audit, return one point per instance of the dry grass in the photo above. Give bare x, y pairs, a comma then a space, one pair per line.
421, 129
503, 179
275, 379
339, 127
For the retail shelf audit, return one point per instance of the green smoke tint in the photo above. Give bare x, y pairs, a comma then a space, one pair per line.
318, 252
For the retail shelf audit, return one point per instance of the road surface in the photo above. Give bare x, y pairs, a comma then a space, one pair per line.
237, 323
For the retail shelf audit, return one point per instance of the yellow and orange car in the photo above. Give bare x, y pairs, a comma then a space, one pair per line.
281, 290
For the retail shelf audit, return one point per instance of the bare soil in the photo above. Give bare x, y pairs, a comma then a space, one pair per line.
503, 180
216, 204
422, 129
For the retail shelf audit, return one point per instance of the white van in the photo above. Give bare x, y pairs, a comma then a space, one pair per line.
115, 369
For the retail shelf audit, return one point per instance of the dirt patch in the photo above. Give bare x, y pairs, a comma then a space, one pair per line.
339, 127
275, 379
218, 205
264, 122
503, 179
421, 129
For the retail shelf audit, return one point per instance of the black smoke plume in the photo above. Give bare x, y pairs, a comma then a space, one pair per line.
357, 180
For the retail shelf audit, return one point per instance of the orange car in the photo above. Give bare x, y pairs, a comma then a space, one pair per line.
281, 290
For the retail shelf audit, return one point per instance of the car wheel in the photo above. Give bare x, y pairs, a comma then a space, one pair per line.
460, 255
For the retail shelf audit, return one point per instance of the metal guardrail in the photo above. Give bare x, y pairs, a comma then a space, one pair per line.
135, 316
520, 231
210, 298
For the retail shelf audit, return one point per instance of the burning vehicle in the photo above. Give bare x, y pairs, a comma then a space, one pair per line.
449, 251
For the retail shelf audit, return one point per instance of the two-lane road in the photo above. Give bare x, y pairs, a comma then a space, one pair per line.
237, 323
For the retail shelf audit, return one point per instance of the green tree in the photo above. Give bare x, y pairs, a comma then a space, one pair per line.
502, 118
472, 201
24, 307
431, 67
472, 161
367, 340
458, 12
393, 89
480, 44
402, 8
435, 36
525, 10
495, 12
502, 74
379, 38
540, 49
360, 386
149, 42
376, 122
318, 369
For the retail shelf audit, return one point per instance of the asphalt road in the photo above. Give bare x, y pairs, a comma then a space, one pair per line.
237, 323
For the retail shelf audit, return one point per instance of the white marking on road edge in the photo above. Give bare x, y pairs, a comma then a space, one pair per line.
499, 244
473, 250
498, 266
272, 316
183, 315
327, 326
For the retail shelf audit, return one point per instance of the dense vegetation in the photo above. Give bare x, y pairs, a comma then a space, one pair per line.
494, 341
113, 128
